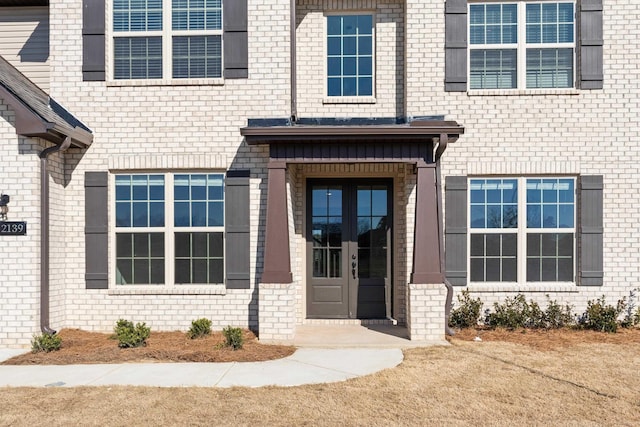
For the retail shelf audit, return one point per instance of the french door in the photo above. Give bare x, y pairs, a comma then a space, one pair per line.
349, 229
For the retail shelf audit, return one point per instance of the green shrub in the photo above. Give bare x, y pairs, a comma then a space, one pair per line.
557, 316
233, 337
467, 315
517, 313
514, 313
602, 317
536, 316
199, 328
45, 343
130, 336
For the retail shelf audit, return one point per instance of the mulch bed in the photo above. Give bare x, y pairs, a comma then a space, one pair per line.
82, 347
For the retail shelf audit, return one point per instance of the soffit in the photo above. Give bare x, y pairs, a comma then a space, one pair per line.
37, 114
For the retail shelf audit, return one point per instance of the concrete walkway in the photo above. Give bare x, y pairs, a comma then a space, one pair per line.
305, 366
326, 353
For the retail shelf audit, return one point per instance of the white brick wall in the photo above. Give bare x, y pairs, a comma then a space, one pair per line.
139, 127
277, 311
389, 61
19, 255
586, 132
426, 311
197, 126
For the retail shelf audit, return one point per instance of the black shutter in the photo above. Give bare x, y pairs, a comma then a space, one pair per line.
590, 44
590, 245
237, 229
455, 230
236, 46
95, 230
93, 41
455, 47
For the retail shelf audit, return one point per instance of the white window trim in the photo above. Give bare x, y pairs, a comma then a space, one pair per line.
167, 51
169, 287
521, 47
521, 284
349, 99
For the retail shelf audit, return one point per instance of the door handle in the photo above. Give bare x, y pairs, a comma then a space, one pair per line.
353, 266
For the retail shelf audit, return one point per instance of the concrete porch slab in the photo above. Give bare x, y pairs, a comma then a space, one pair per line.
355, 336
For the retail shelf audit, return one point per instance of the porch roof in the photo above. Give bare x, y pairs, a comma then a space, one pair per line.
270, 131
37, 114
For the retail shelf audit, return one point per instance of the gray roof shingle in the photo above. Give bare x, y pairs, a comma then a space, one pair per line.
56, 120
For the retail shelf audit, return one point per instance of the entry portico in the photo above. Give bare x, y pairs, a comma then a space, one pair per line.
352, 261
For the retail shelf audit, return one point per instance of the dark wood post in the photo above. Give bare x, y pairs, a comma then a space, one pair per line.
277, 264
426, 245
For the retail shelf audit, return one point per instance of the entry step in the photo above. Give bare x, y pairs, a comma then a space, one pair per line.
363, 322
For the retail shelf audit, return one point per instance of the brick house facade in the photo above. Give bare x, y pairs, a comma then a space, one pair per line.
228, 170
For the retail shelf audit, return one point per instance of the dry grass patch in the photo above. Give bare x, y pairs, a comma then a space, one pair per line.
82, 347
550, 339
467, 383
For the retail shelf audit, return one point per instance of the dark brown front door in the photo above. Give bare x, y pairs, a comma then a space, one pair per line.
349, 248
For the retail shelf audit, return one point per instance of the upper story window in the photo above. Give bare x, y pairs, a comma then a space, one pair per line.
523, 45
350, 55
155, 39
522, 230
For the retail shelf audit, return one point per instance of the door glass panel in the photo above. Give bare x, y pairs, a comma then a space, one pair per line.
379, 232
326, 230
319, 201
379, 200
372, 231
378, 262
334, 231
319, 231
334, 197
364, 232
319, 262
364, 256
364, 201
335, 262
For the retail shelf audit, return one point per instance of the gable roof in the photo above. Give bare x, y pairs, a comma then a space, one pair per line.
37, 114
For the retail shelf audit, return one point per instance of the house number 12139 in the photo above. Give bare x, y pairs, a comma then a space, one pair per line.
13, 228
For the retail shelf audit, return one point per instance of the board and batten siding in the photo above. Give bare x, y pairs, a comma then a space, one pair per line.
24, 41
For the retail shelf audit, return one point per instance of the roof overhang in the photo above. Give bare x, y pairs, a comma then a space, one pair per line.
28, 123
36, 113
417, 130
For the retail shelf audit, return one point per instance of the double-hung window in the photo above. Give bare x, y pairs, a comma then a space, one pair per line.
350, 55
160, 39
169, 228
522, 229
521, 45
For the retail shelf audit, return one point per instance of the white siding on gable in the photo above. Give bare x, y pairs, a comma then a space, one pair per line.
24, 41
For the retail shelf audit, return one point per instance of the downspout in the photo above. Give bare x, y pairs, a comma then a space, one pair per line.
44, 234
442, 145
293, 63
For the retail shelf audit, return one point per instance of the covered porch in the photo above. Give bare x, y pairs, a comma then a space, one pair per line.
371, 159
